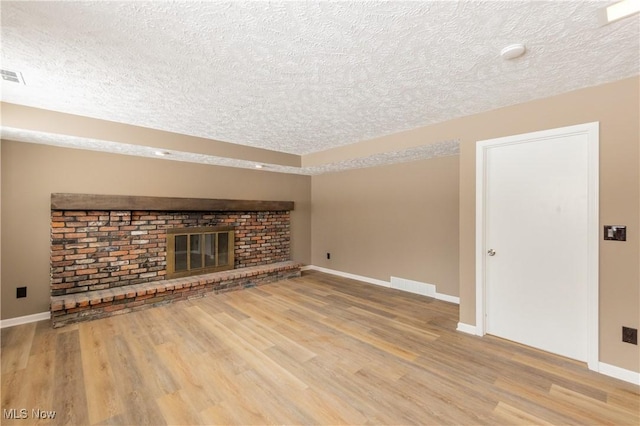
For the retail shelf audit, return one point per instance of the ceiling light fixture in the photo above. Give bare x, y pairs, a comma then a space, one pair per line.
513, 51
259, 166
162, 153
619, 10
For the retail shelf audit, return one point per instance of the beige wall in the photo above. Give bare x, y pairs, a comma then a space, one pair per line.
616, 106
30, 173
399, 220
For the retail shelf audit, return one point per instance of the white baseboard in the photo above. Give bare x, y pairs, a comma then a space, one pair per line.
619, 373
448, 298
396, 283
466, 328
25, 319
347, 275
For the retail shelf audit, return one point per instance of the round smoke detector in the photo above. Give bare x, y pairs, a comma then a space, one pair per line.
512, 51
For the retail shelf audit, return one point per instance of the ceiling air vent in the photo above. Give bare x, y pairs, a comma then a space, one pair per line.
13, 76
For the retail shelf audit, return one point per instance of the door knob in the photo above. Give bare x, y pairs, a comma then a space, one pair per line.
491, 252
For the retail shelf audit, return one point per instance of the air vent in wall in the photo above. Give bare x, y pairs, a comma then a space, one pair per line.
15, 77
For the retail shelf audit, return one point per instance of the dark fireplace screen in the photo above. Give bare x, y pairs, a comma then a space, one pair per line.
194, 251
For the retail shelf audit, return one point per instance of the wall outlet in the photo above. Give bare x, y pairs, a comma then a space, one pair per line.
21, 292
630, 335
328, 255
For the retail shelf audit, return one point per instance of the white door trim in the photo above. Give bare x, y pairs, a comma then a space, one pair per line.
592, 132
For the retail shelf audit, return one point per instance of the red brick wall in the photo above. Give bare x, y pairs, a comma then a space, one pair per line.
94, 250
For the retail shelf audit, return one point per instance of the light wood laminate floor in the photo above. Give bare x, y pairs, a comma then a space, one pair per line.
313, 350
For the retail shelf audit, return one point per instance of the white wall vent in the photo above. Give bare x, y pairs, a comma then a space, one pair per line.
13, 76
416, 287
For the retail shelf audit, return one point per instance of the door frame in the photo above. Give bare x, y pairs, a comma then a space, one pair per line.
482, 147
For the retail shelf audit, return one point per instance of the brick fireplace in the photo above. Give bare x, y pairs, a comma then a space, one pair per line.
95, 250
98, 251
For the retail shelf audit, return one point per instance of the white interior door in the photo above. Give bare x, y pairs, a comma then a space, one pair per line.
536, 239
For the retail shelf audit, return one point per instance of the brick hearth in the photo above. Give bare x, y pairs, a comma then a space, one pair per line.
75, 307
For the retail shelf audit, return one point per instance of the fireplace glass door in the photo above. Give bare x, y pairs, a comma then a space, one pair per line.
193, 251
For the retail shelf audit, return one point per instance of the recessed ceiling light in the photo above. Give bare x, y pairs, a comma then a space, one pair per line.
512, 51
619, 10
162, 153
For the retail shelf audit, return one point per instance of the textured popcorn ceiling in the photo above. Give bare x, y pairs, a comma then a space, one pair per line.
302, 77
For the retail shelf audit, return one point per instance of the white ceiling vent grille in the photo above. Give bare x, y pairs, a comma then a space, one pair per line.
13, 76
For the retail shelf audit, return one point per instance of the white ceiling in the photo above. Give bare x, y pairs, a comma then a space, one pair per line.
303, 77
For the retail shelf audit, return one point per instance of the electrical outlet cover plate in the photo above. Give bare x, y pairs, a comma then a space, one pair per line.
630, 335
615, 232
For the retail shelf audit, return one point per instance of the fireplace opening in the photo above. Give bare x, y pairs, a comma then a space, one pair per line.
194, 251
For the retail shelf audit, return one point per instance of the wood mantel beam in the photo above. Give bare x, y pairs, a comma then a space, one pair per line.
61, 201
